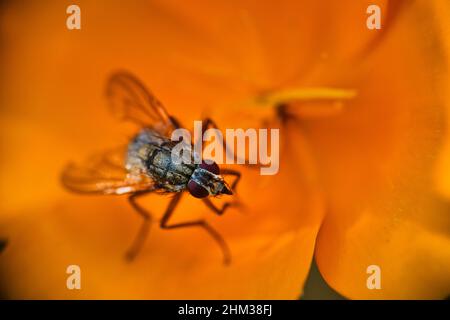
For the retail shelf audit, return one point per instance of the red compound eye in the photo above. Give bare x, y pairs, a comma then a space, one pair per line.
213, 167
197, 190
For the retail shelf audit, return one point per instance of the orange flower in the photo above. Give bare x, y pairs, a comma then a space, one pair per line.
362, 181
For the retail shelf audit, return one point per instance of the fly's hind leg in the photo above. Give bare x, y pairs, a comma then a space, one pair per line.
138, 242
164, 223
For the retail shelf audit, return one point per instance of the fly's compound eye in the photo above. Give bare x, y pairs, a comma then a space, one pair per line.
197, 190
211, 167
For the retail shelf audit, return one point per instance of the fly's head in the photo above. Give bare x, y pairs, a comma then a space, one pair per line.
206, 180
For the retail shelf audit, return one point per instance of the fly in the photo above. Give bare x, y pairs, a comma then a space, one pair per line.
146, 166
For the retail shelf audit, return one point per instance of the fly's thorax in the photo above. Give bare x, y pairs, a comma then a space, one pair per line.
151, 154
160, 166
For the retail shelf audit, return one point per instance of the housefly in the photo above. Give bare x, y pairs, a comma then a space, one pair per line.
146, 166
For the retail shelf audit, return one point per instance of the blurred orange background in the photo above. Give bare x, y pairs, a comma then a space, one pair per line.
366, 185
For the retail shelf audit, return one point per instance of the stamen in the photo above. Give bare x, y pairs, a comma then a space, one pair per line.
299, 102
307, 95
308, 102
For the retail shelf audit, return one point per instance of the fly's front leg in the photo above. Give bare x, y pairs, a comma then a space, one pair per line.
231, 172
164, 223
138, 242
217, 210
209, 123
206, 124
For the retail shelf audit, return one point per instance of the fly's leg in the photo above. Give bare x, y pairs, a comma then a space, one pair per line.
233, 186
231, 172
209, 123
3, 244
175, 122
216, 209
164, 223
138, 242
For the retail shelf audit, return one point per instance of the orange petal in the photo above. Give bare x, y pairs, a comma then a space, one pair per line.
60, 115
442, 172
377, 160
271, 241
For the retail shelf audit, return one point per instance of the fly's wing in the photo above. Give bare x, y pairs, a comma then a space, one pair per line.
131, 101
105, 173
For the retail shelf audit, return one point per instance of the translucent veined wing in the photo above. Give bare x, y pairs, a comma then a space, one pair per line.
130, 100
105, 173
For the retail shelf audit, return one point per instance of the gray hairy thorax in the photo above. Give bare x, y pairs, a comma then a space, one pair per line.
151, 154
